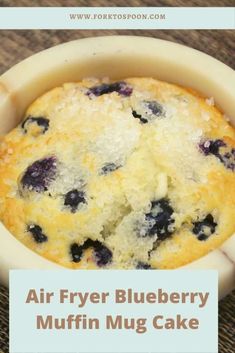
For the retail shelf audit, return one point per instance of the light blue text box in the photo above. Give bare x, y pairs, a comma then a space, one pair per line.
26, 338
117, 18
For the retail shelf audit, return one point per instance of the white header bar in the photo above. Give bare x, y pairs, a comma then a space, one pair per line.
117, 18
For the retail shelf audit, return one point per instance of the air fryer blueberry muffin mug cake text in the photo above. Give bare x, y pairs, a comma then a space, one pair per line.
134, 174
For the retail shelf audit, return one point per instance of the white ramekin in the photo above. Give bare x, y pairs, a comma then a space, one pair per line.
116, 57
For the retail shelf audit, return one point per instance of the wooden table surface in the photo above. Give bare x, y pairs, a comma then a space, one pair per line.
17, 45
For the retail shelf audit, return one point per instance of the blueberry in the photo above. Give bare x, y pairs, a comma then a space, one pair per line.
205, 228
211, 147
143, 266
103, 255
228, 159
76, 252
139, 116
109, 167
159, 220
89, 243
38, 175
151, 109
120, 87
155, 108
37, 233
220, 150
73, 198
40, 121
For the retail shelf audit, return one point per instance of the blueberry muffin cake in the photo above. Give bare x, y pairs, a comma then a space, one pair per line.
130, 174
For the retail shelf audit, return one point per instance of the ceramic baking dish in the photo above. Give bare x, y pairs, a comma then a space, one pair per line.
116, 57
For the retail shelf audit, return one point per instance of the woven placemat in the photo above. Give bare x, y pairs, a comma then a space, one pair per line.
17, 45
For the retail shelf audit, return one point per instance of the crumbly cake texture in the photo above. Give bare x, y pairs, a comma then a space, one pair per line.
130, 174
